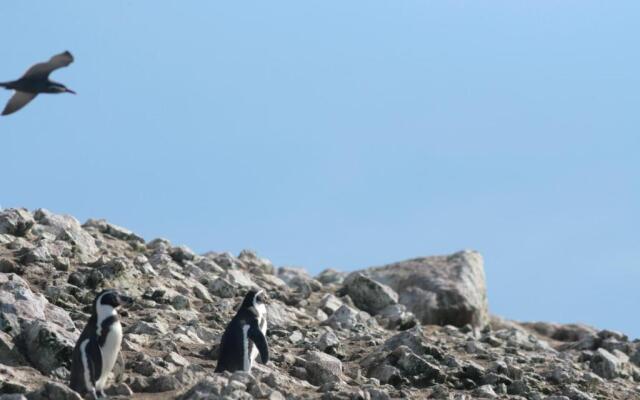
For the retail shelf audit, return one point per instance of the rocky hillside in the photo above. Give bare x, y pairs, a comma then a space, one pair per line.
417, 329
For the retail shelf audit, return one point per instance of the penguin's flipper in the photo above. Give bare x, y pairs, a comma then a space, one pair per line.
255, 334
94, 358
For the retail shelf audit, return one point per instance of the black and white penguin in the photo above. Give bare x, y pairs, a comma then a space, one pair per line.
97, 348
245, 337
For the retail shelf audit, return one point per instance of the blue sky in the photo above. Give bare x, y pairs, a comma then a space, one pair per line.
349, 134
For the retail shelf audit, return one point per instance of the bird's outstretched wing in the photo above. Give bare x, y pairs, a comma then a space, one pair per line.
19, 100
42, 70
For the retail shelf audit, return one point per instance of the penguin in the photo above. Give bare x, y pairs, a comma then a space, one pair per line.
245, 337
97, 348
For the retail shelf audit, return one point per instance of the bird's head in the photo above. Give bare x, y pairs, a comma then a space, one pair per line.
56, 87
255, 300
107, 301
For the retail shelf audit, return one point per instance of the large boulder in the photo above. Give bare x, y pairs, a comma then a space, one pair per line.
608, 365
49, 346
440, 290
46, 331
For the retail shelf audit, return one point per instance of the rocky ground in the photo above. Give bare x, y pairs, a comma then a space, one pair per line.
417, 329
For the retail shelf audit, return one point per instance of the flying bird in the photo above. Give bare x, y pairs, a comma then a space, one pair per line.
36, 81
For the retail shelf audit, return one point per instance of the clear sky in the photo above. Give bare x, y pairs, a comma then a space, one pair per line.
349, 134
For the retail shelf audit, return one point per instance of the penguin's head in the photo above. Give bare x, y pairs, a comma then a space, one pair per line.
111, 298
254, 300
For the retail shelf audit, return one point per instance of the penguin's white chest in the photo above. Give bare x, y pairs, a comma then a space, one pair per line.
110, 349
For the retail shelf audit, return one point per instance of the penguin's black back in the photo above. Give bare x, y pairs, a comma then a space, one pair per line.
233, 352
232, 349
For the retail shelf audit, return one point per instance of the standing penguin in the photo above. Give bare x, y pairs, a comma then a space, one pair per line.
97, 348
245, 336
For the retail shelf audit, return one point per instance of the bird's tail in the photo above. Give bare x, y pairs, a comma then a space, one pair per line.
4, 84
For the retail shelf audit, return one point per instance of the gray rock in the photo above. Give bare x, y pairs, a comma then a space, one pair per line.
9, 266
411, 364
605, 364
251, 260
180, 302
518, 337
385, 373
240, 279
47, 252
181, 254
330, 303
48, 346
299, 280
519, 387
440, 290
329, 276
16, 221
9, 352
222, 288
20, 379
321, 315
327, 341
345, 318
224, 260
412, 338
201, 292
280, 315
369, 295
561, 332
396, 316
440, 392
322, 368
289, 275
148, 328
163, 383
5, 238
115, 231
54, 391
609, 334
296, 337
208, 265
119, 389
378, 394
14, 396
576, 394
67, 228
47, 331
485, 392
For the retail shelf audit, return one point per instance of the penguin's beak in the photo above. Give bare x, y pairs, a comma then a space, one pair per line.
70, 91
